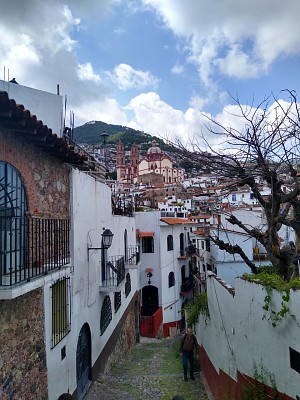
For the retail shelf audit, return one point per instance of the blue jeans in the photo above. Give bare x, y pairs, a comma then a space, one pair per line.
188, 357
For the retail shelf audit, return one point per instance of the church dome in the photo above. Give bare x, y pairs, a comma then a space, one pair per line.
154, 149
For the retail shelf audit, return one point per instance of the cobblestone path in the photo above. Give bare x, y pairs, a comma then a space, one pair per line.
149, 371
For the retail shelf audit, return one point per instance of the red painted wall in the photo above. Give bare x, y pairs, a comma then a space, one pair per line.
222, 386
174, 324
149, 325
157, 320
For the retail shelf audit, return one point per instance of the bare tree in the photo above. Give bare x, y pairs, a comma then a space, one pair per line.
265, 150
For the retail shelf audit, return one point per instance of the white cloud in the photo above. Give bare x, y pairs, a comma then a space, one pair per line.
238, 64
177, 69
156, 117
86, 73
219, 29
198, 102
125, 77
107, 110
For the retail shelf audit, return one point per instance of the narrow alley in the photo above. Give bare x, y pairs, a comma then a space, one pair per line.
150, 370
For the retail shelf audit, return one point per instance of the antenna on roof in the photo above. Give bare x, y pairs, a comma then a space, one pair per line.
65, 111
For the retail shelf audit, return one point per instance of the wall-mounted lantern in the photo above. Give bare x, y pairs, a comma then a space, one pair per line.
107, 237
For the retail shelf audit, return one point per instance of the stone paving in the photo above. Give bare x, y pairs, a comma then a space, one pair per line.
151, 370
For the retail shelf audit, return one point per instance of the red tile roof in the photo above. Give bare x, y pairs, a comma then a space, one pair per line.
145, 234
16, 118
176, 221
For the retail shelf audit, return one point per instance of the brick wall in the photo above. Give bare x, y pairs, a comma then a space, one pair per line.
46, 179
23, 371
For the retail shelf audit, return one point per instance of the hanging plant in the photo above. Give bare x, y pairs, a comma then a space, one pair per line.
199, 306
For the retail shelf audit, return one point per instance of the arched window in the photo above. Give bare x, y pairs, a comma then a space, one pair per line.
170, 242
106, 315
127, 285
181, 241
125, 245
13, 224
171, 279
117, 300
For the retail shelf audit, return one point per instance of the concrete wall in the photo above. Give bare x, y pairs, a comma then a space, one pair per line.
237, 337
47, 107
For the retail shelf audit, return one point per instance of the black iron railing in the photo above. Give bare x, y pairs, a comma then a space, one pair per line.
30, 247
188, 251
122, 207
132, 255
114, 271
187, 285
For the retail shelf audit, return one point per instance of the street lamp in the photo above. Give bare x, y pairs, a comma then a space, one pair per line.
104, 136
107, 237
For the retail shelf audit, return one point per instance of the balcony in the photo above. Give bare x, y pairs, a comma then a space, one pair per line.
188, 251
187, 286
32, 247
112, 274
132, 257
122, 207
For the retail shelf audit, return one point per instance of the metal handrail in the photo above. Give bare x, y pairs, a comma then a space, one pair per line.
31, 247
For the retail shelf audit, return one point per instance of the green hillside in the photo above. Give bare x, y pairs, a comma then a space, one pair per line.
90, 133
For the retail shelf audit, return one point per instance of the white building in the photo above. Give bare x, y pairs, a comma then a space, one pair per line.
69, 305
166, 275
174, 207
35, 100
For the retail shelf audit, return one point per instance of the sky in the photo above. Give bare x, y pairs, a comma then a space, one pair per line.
159, 66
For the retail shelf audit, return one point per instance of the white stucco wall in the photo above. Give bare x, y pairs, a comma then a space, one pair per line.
171, 300
163, 262
47, 107
149, 222
91, 211
236, 336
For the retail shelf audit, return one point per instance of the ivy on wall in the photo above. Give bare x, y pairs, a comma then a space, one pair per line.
271, 282
199, 306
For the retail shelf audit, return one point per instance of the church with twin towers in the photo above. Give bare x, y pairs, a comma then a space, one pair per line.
156, 164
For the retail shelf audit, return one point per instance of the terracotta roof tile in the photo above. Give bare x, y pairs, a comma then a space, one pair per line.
16, 118
176, 221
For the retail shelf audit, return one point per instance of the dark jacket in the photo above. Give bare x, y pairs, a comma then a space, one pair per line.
188, 343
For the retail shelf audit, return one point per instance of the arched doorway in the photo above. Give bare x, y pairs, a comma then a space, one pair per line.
151, 316
83, 361
149, 299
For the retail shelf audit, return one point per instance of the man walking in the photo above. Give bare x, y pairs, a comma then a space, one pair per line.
188, 345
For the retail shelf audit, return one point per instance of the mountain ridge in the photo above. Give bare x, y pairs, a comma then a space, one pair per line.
90, 133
